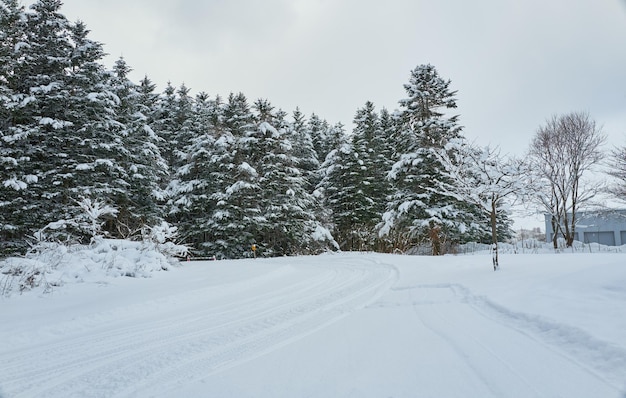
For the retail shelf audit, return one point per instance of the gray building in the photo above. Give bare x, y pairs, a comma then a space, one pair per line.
606, 227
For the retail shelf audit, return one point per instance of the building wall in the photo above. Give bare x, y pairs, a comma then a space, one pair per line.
605, 227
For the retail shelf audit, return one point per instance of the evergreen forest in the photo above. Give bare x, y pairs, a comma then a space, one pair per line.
81, 144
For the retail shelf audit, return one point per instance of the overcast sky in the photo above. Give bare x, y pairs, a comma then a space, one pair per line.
513, 63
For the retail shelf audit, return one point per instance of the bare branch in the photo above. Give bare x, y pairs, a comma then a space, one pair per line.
561, 152
618, 171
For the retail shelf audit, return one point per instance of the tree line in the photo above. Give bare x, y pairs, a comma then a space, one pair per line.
77, 137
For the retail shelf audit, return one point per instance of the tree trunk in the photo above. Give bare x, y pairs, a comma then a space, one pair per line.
567, 234
573, 229
494, 236
435, 239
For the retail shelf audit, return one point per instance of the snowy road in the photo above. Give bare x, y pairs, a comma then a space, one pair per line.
348, 325
156, 345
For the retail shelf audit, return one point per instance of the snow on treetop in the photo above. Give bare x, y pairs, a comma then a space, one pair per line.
246, 168
15, 184
264, 127
56, 124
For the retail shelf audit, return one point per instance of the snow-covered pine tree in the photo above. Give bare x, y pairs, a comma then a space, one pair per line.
13, 35
141, 204
327, 141
174, 125
288, 208
388, 127
186, 127
148, 104
148, 99
310, 168
42, 124
66, 117
372, 145
203, 112
14, 177
178, 135
420, 209
390, 151
220, 219
165, 125
339, 188
324, 136
316, 129
97, 157
197, 180
335, 136
304, 151
354, 185
60, 124
234, 223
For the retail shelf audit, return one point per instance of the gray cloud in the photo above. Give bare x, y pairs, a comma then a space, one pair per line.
514, 64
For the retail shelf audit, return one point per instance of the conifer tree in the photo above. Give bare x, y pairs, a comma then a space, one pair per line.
354, 185
372, 146
234, 224
45, 125
304, 151
387, 138
148, 98
316, 131
288, 208
139, 205
97, 152
324, 136
14, 177
198, 179
339, 186
184, 120
420, 210
74, 133
44, 116
165, 125
220, 218
309, 165
69, 139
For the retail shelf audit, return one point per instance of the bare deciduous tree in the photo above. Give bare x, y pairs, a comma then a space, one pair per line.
562, 151
618, 170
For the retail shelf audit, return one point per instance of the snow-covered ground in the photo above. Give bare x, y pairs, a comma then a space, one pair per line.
335, 325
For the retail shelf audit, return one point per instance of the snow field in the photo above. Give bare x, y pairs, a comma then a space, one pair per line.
344, 325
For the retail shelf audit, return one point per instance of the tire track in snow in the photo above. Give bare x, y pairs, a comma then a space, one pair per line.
90, 351
604, 360
440, 325
121, 360
356, 291
493, 357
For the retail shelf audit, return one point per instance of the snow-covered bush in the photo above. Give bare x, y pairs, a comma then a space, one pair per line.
162, 238
93, 213
322, 238
48, 265
21, 274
